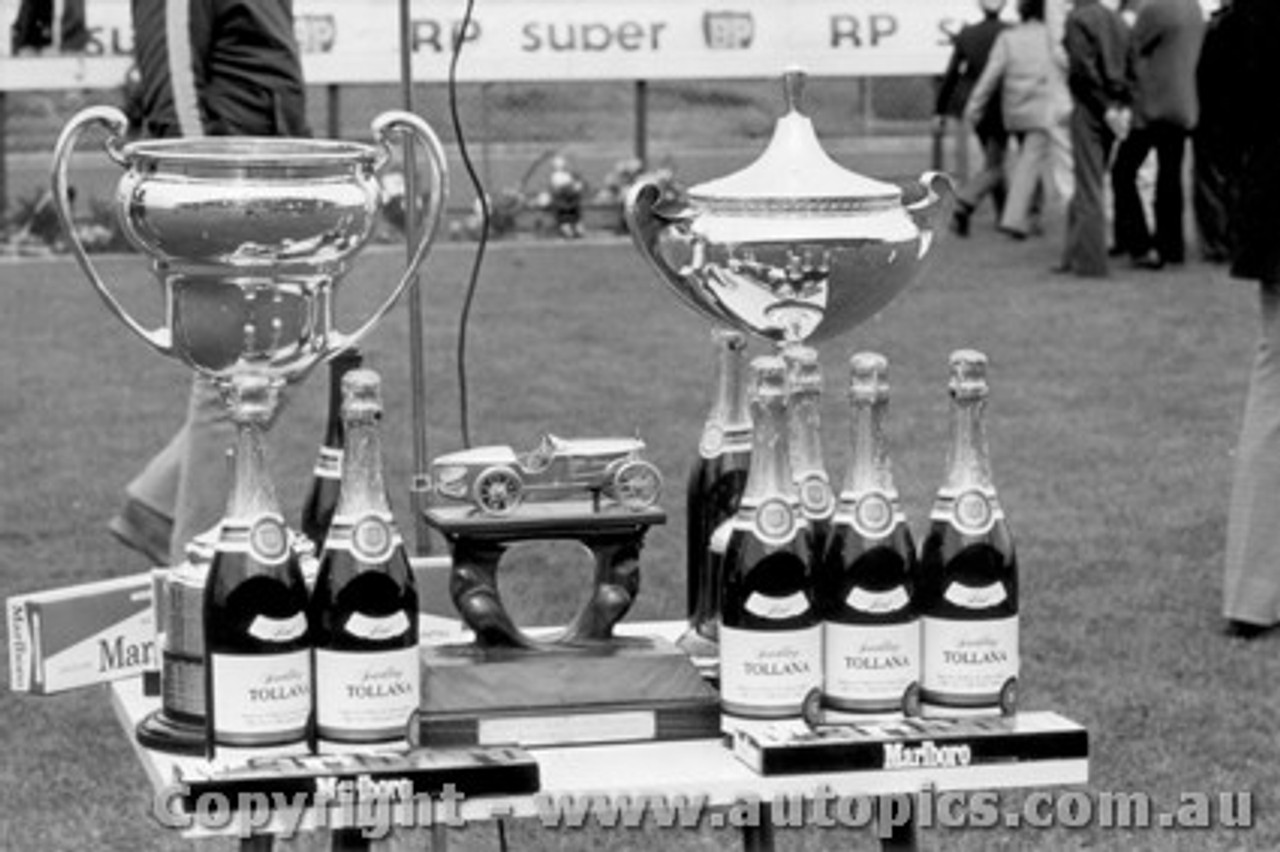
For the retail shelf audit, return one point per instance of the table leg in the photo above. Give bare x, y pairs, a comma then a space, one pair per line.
758, 838
901, 834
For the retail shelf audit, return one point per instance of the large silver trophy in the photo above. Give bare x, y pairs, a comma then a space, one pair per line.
794, 247
249, 237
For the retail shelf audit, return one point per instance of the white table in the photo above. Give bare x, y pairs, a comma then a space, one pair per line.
703, 769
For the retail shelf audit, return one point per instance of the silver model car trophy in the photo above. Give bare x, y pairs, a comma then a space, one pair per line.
249, 238
793, 248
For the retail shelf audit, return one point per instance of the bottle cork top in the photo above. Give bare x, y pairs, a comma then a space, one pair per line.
806, 370
868, 375
252, 397
770, 377
729, 338
361, 393
968, 373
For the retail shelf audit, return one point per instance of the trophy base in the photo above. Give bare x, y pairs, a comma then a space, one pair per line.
625, 690
161, 732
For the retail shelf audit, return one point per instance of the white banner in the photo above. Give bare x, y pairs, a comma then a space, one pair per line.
358, 42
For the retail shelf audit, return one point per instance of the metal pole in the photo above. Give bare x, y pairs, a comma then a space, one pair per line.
642, 122
419, 484
4, 157
333, 107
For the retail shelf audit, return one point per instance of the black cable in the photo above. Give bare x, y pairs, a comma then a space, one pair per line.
483, 199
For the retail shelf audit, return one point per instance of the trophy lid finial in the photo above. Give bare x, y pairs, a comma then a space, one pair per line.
793, 88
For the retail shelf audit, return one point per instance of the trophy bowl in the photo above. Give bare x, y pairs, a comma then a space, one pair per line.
793, 247
249, 237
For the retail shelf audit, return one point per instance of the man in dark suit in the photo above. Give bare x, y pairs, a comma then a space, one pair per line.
1164, 48
1096, 41
968, 58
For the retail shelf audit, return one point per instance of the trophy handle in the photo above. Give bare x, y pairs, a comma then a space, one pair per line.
930, 213
646, 223
117, 126
384, 126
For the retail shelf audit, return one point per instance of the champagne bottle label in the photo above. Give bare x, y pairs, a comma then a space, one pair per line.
370, 538
769, 669
972, 512
870, 667
775, 522
267, 629
976, 597
264, 538
328, 463
261, 698
816, 496
366, 695
873, 515
712, 441
877, 603
967, 663
377, 628
776, 609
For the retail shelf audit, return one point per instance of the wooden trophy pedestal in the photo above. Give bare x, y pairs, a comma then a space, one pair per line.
582, 685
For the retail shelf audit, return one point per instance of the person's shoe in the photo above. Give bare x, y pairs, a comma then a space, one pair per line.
1246, 629
1012, 233
1151, 260
142, 528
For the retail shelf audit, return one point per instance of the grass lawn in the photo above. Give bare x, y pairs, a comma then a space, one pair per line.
1114, 412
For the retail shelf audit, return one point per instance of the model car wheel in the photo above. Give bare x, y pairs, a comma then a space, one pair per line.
498, 490
636, 485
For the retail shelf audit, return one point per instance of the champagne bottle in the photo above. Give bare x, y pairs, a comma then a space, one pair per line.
257, 637
365, 605
322, 496
714, 489
871, 628
968, 569
770, 629
813, 485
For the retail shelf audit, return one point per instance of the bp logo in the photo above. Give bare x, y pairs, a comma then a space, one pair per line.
775, 520
371, 539
268, 541
873, 515
816, 497
974, 512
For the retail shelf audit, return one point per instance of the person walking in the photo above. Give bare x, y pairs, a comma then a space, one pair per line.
1210, 149
1096, 41
1247, 36
969, 57
1028, 69
1164, 48
205, 68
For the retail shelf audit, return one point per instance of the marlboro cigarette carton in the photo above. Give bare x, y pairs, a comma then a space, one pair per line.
81, 635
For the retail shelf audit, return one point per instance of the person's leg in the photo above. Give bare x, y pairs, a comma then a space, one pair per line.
1086, 244
1170, 145
1132, 236
1025, 174
205, 479
1251, 587
1210, 196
